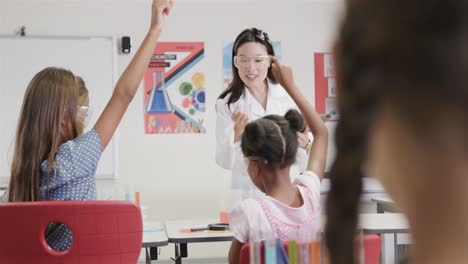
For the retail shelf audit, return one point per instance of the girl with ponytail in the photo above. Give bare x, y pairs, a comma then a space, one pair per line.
269, 146
402, 97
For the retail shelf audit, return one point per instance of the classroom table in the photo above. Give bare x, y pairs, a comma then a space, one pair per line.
385, 204
154, 236
369, 223
3, 188
181, 239
382, 224
369, 186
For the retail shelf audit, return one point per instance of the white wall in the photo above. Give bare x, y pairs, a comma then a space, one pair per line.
176, 174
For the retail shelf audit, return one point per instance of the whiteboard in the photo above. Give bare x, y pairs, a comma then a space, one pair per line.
21, 58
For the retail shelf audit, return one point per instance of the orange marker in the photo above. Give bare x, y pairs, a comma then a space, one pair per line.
224, 217
315, 250
137, 198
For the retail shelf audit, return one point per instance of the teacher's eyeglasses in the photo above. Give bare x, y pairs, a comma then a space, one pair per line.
260, 61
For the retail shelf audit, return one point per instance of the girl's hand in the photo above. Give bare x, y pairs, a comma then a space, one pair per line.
160, 9
282, 73
240, 119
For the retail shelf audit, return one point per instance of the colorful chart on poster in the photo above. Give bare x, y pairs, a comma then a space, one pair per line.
175, 89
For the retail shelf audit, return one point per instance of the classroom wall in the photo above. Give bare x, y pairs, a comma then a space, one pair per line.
177, 174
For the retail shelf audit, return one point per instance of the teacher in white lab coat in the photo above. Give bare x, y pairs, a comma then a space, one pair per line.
252, 94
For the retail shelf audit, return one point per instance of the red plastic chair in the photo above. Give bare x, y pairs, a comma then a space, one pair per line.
103, 232
372, 250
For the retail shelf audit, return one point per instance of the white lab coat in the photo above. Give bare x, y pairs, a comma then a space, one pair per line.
229, 154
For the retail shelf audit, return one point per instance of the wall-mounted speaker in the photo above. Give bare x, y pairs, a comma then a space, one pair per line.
126, 44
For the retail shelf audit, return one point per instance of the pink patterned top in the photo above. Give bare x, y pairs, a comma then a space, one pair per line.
254, 219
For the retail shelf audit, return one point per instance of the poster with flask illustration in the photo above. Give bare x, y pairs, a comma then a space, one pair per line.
175, 89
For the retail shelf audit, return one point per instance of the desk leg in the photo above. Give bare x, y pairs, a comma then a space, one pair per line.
178, 258
388, 248
183, 250
152, 254
380, 208
395, 246
148, 257
180, 252
383, 259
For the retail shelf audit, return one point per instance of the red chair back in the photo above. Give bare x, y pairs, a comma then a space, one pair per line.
372, 249
103, 232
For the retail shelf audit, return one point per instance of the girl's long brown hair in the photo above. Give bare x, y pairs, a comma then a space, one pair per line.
47, 119
408, 55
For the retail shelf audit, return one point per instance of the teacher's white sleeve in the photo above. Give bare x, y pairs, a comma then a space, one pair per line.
225, 147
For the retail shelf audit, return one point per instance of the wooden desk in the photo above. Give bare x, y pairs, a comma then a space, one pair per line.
154, 236
181, 239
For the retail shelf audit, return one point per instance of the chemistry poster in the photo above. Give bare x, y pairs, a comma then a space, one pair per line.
227, 61
325, 85
174, 95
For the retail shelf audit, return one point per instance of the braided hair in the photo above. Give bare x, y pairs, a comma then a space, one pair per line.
405, 54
